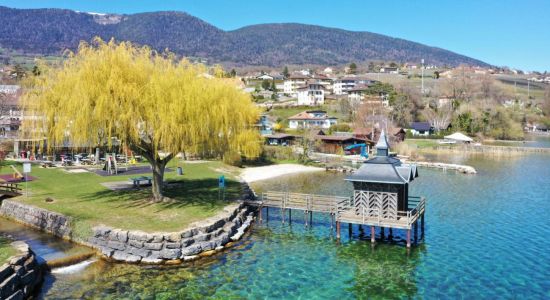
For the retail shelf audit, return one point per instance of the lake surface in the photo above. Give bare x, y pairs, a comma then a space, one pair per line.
487, 236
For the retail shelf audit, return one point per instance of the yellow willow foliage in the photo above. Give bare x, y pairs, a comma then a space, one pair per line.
111, 90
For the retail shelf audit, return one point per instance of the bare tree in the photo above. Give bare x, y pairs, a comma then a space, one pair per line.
439, 117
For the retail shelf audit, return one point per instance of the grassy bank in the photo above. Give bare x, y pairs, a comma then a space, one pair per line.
6, 250
81, 196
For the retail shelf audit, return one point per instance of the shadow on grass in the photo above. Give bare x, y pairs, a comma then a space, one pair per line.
184, 193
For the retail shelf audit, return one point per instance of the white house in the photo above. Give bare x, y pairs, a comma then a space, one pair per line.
341, 86
389, 70
311, 119
265, 77
357, 93
311, 94
293, 82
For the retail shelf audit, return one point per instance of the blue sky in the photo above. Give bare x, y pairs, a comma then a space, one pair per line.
503, 32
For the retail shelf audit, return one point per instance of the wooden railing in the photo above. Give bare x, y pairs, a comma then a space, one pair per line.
306, 202
12, 188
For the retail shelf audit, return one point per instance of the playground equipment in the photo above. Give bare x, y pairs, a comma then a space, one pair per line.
16, 173
363, 148
110, 165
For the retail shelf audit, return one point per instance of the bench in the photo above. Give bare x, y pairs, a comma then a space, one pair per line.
136, 181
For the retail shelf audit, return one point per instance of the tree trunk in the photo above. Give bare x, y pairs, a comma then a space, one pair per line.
158, 179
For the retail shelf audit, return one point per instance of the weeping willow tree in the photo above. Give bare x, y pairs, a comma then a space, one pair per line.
155, 105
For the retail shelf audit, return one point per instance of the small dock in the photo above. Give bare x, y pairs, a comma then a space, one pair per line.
374, 209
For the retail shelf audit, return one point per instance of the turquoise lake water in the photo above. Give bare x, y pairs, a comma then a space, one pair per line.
486, 237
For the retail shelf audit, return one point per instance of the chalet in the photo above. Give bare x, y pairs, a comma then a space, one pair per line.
421, 128
357, 93
311, 94
337, 143
311, 119
280, 139
291, 85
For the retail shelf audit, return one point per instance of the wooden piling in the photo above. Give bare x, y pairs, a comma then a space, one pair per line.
310, 218
337, 229
408, 238
390, 236
416, 232
260, 214
382, 233
350, 230
372, 234
290, 216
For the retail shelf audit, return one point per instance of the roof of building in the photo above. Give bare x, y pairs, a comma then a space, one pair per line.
308, 115
298, 76
384, 169
421, 126
279, 136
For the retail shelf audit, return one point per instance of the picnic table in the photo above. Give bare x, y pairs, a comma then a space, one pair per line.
136, 181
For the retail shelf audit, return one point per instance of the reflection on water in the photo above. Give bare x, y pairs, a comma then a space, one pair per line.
44, 245
486, 237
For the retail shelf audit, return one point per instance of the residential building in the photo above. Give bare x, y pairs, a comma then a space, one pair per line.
311, 119
421, 128
357, 93
341, 86
389, 70
293, 82
311, 94
265, 125
337, 143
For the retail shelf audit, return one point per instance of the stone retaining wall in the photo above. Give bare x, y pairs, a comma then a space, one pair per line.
22, 275
45, 220
155, 248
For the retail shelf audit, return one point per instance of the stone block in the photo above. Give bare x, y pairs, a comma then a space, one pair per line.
134, 243
122, 236
187, 242
123, 256
138, 236
152, 246
170, 253
116, 245
173, 237
190, 257
106, 251
139, 251
172, 245
155, 237
101, 231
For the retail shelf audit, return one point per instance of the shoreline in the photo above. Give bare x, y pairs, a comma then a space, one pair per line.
268, 172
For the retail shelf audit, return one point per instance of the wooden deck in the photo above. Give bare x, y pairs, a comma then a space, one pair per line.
346, 210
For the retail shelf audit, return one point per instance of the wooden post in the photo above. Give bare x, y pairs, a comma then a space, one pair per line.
416, 232
311, 218
290, 216
283, 214
350, 230
260, 214
267, 214
408, 238
422, 224
390, 236
338, 229
372, 234
382, 233
305, 217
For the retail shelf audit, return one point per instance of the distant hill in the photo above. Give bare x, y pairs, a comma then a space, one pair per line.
50, 31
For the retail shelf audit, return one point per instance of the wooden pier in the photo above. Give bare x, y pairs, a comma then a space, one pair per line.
374, 209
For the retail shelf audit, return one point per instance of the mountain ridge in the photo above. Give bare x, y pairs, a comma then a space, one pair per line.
50, 31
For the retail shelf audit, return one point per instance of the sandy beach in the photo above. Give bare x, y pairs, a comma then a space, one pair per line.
267, 172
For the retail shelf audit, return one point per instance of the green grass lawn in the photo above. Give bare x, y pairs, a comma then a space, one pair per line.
82, 197
6, 250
